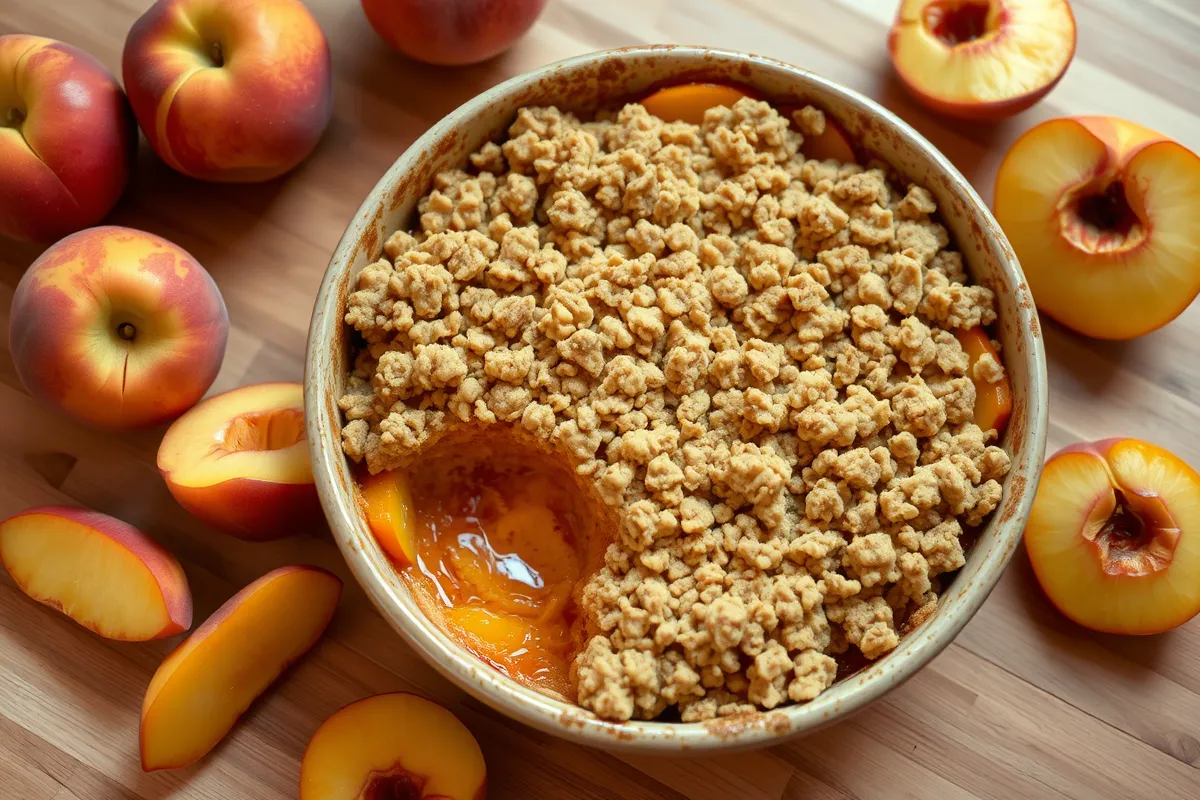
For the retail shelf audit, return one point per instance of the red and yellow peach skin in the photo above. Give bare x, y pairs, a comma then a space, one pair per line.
202, 688
451, 32
67, 139
117, 328
239, 462
235, 90
104, 574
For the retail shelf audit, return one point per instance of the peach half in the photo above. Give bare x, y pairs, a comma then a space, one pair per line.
239, 462
202, 688
394, 746
104, 574
981, 59
1114, 536
117, 328
1102, 214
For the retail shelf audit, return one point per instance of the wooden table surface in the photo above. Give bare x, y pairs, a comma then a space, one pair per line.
1023, 704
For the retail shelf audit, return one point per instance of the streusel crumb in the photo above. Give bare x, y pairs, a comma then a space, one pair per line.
746, 354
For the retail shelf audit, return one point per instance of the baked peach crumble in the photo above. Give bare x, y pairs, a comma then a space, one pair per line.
748, 357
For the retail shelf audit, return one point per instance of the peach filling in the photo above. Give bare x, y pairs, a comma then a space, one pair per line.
501, 537
263, 430
1133, 534
1098, 219
958, 22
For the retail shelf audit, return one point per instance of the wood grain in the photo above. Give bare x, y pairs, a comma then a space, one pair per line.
1023, 704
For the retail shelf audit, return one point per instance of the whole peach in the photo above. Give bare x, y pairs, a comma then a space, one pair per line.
229, 90
66, 139
117, 328
452, 32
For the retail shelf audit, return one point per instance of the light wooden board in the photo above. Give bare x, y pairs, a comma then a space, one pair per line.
1023, 704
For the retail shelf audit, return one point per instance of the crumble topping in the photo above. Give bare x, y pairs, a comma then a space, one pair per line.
746, 354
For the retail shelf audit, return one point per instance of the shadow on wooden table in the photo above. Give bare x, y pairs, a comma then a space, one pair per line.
1092, 363
1052, 625
206, 219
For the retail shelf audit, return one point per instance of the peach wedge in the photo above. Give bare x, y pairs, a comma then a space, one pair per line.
106, 575
981, 59
993, 398
202, 688
389, 509
394, 745
1102, 213
1114, 536
239, 461
687, 102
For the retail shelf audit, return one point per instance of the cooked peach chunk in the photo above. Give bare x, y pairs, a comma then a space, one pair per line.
389, 508
394, 745
993, 398
1102, 213
981, 59
202, 688
106, 575
688, 102
239, 461
1114, 536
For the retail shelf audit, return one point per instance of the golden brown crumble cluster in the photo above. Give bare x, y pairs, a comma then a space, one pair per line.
748, 355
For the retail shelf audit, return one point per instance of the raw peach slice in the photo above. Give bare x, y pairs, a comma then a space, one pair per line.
981, 59
1114, 536
687, 102
1102, 213
388, 503
239, 461
202, 688
106, 575
394, 745
993, 400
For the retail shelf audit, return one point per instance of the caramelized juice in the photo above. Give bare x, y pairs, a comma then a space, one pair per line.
502, 540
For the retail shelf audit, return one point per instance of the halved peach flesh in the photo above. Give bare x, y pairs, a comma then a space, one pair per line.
239, 461
389, 507
1101, 213
394, 745
202, 688
688, 102
981, 59
1114, 536
104, 574
993, 401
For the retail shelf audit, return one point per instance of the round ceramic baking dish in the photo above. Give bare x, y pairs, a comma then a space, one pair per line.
606, 79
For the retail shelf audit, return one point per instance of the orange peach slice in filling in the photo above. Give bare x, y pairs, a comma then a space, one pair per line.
993, 399
239, 461
393, 746
1114, 536
202, 688
117, 328
106, 575
387, 500
687, 102
1102, 213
